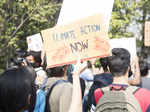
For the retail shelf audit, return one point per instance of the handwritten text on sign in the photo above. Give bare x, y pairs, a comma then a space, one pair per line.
87, 37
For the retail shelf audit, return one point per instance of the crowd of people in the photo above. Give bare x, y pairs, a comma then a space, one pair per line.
119, 86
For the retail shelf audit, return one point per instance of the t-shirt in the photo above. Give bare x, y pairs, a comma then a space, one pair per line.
41, 76
142, 95
61, 95
87, 75
145, 82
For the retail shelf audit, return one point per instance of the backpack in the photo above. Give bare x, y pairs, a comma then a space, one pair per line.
49, 91
100, 81
118, 100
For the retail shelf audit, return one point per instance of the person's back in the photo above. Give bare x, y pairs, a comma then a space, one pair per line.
17, 89
61, 95
119, 64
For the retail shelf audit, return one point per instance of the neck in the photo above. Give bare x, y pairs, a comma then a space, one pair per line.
120, 80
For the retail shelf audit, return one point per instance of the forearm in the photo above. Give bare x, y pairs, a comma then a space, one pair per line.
136, 75
76, 103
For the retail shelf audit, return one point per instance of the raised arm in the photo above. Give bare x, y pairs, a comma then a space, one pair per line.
76, 103
136, 73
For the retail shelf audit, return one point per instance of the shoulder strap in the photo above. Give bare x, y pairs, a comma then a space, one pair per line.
132, 89
49, 91
105, 89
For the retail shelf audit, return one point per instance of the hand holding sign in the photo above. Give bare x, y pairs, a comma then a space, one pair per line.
79, 67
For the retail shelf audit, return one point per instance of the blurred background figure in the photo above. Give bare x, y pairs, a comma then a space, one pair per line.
145, 78
34, 59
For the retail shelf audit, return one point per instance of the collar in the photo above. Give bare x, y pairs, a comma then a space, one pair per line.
37, 69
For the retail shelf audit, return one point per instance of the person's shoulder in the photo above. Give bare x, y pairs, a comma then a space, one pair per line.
143, 91
66, 85
102, 75
98, 93
61, 82
142, 94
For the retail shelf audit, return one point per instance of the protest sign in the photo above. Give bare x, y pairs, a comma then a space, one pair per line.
147, 33
35, 42
127, 43
87, 37
73, 10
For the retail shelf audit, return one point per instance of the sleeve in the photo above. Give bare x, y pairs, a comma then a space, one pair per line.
143, 96
98, 93
40, 102
43, 102
65, 98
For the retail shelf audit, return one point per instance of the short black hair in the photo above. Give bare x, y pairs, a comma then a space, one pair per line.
16, 84
56, 71
119, 62
104, 63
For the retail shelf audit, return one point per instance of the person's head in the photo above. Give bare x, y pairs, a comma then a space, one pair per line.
104, 63
144, 68
119, 62
34, 58
16, 89
56, 71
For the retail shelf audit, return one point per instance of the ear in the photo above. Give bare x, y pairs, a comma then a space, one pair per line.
29, 99
127, 72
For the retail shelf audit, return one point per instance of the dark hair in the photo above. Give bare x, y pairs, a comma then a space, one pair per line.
144, 68
56, 71
104, 63
37, 57
18, 58
119, 62
16, 84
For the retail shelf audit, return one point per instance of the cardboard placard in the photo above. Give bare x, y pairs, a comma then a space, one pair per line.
87, 38
35, 42
147, 33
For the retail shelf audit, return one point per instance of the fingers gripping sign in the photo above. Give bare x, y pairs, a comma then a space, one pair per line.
79, 67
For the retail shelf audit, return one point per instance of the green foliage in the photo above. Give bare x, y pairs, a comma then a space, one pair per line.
122, 16
21, 18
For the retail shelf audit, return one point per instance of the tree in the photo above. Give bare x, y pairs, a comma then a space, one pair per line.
130, 12
144, 15
122, 16
21, 18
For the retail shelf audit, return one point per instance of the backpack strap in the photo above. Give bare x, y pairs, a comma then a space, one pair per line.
132, 89
106, 89
49, 91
